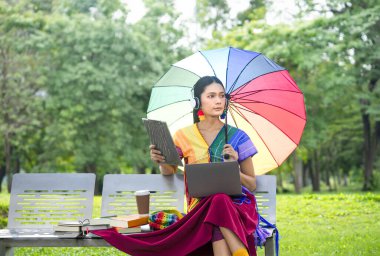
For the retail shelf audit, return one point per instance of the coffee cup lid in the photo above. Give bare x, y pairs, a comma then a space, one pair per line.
142, 192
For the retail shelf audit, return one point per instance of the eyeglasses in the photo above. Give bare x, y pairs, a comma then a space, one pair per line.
82, 232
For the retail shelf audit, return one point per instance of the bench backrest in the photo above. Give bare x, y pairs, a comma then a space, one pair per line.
41, 200
266, 196
167, 192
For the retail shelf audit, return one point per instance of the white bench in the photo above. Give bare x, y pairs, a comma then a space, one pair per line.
38, 201
266, 201
168, 192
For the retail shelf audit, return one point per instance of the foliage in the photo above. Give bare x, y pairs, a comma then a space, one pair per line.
21, 82
334, 60
82, 76
213, 14
93, 81
75, 80
3, 214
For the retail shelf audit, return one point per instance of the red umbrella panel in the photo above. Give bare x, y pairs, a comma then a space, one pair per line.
271, 110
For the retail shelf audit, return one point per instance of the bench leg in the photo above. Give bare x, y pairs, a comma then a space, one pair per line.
6, 251
269, 246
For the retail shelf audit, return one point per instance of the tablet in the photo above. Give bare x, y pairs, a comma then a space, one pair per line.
160, 136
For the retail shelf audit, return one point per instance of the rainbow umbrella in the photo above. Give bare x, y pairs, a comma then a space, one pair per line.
265, 100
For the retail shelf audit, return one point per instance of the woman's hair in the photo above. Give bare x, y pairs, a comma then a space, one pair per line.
199, 87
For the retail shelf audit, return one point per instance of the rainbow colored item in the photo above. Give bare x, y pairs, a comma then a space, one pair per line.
192, 146
162, 219
265, 100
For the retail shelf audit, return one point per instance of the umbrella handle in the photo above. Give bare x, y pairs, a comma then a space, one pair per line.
226, 156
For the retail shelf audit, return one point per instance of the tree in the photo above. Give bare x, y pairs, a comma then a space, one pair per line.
100, 76
82, 76
357, 23
20, 82
331, 58
212, 14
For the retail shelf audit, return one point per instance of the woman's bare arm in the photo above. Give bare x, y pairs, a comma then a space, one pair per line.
167, 169
247, 174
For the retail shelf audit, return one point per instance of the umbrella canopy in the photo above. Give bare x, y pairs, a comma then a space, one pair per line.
265, 100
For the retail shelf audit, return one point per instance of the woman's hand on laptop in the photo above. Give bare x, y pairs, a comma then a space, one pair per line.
156, 155
229, 150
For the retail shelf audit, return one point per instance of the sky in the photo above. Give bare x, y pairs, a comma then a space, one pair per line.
281, 12
282, 9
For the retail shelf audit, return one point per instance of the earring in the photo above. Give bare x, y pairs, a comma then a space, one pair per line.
201, 115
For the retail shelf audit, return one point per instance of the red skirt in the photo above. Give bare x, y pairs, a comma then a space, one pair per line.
193, 233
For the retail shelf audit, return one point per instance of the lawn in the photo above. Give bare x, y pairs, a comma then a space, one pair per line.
309, 224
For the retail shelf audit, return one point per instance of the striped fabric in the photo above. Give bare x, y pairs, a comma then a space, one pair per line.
194, 149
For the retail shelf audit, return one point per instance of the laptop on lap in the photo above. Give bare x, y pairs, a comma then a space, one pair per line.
211, 178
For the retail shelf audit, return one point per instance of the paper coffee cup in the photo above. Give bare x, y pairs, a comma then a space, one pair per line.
142, 201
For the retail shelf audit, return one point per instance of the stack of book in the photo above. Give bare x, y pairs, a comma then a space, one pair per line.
78, 226
133, 223
125, 224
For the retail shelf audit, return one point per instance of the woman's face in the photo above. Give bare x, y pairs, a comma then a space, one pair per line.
213, 100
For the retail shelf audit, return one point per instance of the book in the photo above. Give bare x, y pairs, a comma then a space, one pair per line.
96, 227
128, 221
67, 229
138, 229
101, 221
159, 136
70, 226
123, 221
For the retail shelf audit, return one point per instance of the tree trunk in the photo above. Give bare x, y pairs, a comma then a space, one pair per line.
327, 178
8, 157
279, 181
335, 179
314, 173
345, 179
17, 165
2, 174
368, 160
155, 170
371, 140
318, 171
140, 169
7, 138
297, 166
305, 174
91, 168
339, 178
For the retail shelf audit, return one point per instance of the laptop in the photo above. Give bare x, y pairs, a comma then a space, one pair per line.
211, 178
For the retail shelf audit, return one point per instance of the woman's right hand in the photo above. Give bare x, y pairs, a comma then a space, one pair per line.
156, 155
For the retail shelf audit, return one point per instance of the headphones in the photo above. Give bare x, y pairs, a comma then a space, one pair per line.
196, 102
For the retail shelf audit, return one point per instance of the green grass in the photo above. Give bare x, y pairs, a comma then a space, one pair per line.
309, 224
329, 224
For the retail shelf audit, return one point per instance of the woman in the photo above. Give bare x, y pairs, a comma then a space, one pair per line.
227, 223
202, 142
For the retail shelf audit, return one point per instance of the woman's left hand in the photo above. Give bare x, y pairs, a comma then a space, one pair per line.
228, 149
